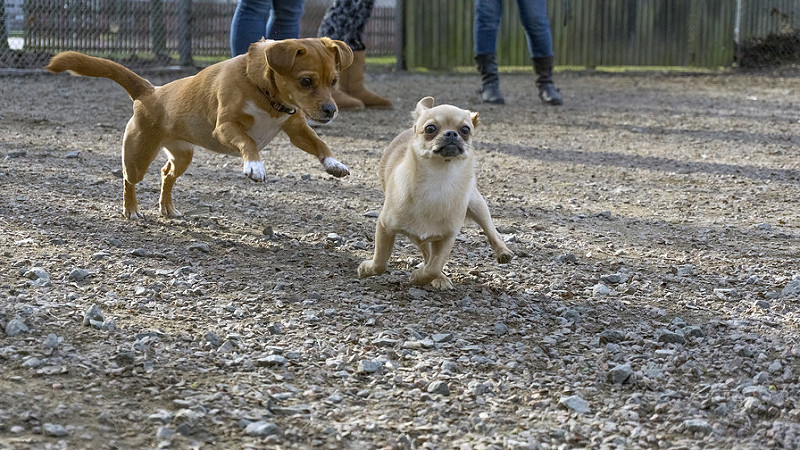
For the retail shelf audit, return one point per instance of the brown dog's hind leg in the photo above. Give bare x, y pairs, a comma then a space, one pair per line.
180, 156
478, 211
138, 151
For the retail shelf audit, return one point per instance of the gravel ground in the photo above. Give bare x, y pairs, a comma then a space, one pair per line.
653, 302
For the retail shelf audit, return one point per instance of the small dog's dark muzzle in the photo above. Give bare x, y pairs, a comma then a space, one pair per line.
450, 145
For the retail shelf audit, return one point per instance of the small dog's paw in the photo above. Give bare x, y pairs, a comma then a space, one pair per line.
420, 278
255, 170
366, 269
442, 283
505, 256
335, 168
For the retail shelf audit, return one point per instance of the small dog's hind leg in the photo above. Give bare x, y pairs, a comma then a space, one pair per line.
432, 272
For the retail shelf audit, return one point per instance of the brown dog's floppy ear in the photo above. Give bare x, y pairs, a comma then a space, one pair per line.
422, 105
281, 55
344, 54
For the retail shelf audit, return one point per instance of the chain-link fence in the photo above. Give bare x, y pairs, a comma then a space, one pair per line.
167, 32
147, 32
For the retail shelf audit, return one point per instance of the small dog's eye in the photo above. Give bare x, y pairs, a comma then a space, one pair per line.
335, 82
430, 129
465, 130
305, 82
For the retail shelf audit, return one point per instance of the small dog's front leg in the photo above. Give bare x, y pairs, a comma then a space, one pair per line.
233, 135
384, 241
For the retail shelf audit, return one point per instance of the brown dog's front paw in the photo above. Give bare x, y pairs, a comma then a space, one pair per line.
255, 171
335, 168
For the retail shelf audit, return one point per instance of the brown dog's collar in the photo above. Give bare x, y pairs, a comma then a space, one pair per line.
280, 107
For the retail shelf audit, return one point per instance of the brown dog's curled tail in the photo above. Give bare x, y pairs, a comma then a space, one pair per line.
90, 66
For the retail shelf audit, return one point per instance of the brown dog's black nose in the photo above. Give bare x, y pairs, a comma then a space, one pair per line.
329, 109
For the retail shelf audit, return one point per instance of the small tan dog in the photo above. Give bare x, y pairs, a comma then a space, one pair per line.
428, 178
235, 107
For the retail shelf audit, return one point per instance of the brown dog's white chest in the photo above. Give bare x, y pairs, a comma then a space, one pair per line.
265, 127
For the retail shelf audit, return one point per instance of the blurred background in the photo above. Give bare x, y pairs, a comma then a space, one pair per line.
419, 34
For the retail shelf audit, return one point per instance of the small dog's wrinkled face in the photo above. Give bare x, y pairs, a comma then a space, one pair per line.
443, 131
307, 71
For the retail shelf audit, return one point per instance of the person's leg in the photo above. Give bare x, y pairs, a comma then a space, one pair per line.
533, 15
484, 39
249, 24
346, 20
284, 23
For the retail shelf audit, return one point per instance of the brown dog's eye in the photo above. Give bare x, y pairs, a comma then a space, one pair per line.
430, 129
305, 82
465, 130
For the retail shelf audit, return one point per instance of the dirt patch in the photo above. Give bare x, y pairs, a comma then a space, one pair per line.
653, 302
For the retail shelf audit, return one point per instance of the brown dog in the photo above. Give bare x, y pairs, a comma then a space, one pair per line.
235, 107
428, 178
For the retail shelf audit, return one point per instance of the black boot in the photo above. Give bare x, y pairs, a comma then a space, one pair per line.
490, 82
549, 94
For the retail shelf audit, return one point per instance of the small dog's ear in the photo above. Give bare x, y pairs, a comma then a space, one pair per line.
423, 105
474, 117
343, 52
281, 55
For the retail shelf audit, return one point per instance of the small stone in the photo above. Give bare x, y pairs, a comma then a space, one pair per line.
165, 434
51, 341
15, 327
600, 290
78, 274
775, 367
762, 304
72, 155
697, 426
417, 293
93, 314
684, 270
620, 374
54, 430
367, 366
693, 332
668, 337
272, 361
792, 289
438, 387
612, 336
500, 329
261, 429
575, 403
442, 337
200, 247
612, 278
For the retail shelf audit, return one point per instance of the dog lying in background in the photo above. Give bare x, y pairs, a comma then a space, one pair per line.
428, 178
235, 107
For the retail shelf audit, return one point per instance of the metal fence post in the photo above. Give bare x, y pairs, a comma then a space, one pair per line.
399, 34
158, 30
185, 33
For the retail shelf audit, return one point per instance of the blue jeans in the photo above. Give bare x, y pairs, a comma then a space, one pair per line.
272, 19
532, 14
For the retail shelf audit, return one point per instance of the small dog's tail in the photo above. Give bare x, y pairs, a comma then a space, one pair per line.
90, 66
